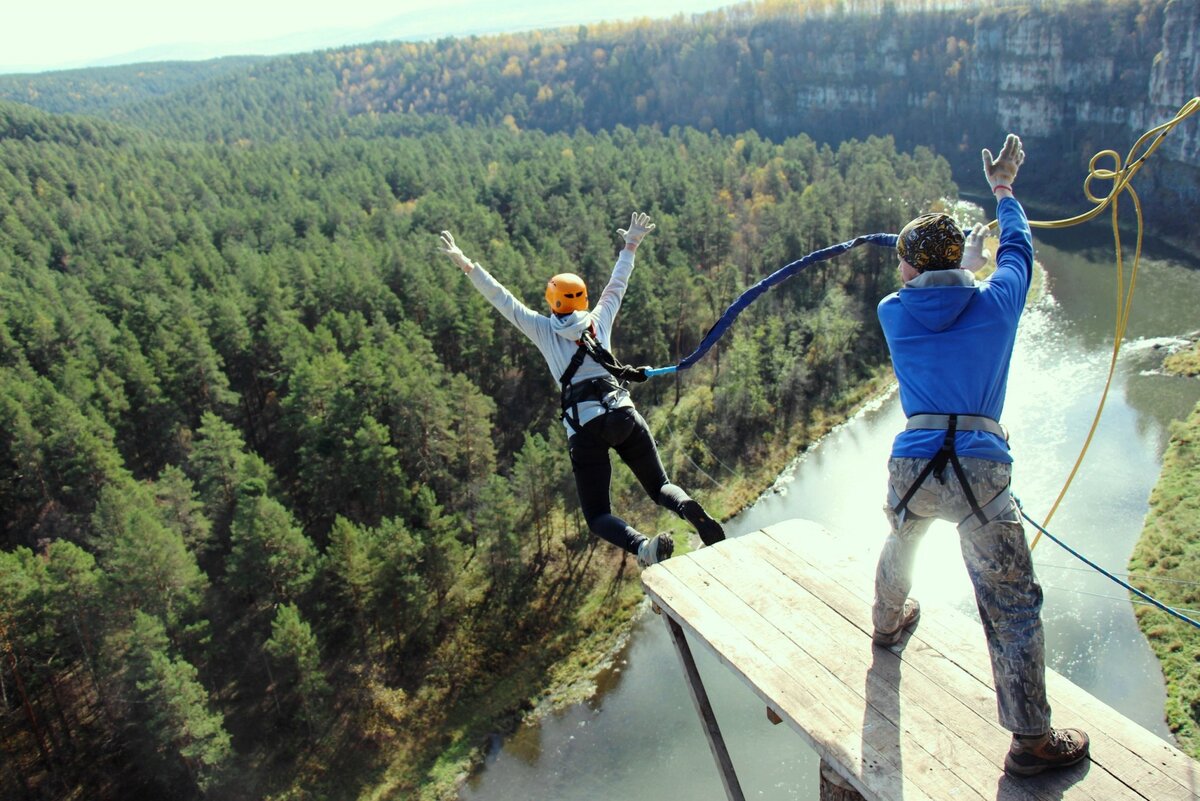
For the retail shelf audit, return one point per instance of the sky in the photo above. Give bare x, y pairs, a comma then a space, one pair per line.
39, 35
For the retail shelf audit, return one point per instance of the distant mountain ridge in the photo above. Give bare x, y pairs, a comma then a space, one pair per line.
97, 90
1071, 78
458, 18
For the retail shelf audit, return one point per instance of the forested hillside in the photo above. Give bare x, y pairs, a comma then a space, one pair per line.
1072, 78
284, 507
96, 90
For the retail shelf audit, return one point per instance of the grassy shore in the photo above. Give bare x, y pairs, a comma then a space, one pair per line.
1185, 362
1166, 564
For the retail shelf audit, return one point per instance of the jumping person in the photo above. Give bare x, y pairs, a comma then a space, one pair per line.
597, 410
951, 340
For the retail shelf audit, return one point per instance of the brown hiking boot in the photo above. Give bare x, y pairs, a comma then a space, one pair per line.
909, 618
1057, 748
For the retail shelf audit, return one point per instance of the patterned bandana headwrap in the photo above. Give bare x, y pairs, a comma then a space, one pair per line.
931, 242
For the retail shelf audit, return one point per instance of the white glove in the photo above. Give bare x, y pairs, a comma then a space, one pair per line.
456, 255
1003, 169
974, 256
639, 226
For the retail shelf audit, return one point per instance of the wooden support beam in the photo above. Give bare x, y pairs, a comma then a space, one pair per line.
712, 731
834, 787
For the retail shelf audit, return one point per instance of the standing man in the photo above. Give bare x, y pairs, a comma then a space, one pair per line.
598, 413
951, 340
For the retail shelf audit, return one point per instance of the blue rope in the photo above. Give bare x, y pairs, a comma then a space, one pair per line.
750, 295
1150, 600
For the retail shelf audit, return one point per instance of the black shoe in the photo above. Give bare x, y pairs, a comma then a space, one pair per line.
710, 530
1057, 748
909, 618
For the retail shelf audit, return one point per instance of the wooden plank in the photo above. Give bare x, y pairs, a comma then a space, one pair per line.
1120, 746
913, 701
897, 748
839, 740
788, 609
712, 731
846, 651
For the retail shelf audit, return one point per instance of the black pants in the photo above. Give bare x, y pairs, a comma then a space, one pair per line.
626, 432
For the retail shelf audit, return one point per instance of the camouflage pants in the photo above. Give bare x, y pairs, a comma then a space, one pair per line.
998, 561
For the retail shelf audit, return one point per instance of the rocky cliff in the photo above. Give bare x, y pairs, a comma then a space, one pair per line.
1174, 79
1100, 86
1071, 80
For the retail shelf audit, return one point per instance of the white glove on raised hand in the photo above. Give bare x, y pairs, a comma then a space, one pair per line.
1002, 170
974, 256
455, 253
639, 226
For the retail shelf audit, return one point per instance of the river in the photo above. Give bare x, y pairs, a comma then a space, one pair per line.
639, 737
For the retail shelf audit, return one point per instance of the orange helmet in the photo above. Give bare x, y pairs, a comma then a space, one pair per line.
566, 293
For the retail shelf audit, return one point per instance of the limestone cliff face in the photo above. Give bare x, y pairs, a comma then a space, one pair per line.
1071, 80
1175, 77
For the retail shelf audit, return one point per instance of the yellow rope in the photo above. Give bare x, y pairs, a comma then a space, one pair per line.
1120, 177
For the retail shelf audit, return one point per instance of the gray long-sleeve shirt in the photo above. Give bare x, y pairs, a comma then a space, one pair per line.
557, 337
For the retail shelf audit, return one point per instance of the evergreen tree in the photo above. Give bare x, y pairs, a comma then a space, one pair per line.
176, 497
75, 600
270, 559
352, 562
147, 565
292, 647
218, 463
179, 723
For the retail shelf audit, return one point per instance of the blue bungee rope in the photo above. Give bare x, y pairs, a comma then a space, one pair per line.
1145, 597
751, 294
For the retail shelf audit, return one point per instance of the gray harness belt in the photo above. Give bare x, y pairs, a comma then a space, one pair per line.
964, 422
951, 424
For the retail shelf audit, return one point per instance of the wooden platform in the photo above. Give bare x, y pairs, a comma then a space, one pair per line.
790, 612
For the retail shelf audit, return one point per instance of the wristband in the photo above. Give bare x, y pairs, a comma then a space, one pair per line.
1001, 186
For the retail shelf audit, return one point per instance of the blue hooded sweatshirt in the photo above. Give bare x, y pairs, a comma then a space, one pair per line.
951, 340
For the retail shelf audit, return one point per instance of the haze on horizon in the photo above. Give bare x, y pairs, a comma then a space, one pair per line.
72, 34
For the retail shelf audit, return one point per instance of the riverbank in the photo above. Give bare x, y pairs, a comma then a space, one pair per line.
1166, 564
1185, 362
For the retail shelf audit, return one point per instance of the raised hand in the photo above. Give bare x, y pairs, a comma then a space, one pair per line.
639, 226
1002, 170
974, 255
455, 253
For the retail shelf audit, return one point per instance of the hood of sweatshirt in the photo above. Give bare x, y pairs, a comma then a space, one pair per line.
937, 298
570, 326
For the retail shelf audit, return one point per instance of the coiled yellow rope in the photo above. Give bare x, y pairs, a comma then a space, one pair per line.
1120, 177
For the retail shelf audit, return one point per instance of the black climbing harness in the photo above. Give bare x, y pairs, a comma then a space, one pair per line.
597, 389
952, 424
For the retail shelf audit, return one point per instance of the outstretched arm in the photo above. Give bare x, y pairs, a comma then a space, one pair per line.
614, 290
513, 310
